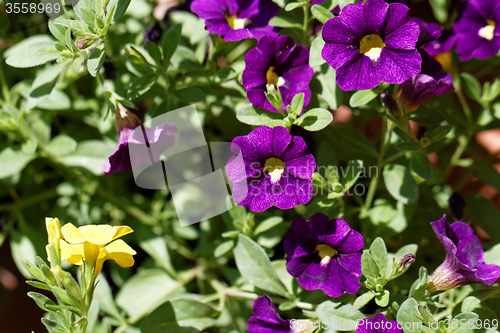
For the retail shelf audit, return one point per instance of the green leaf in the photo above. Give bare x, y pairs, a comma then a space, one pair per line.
267, 224
346, 137
484, 213
96, 60
22, 249
61, 145
284, 22
141, 85
486, 173
400, 183
440, 133
104, 295
407, 314
330, 91
292, 5
180, 316
154, 51
120, 10
190, 95
255, 266
297, 104
330, 207
41, 300
362, 97
363, 299
353, 171
146, 290
13, 161
472, 86
77, 26
315, 119
341, 317
321, 14
382, 300
256, 117
171, 41
408, 146
156, 247
32, 51
420, 164
85, 13
90, 154
440, 9
43, 85
223, 248
378, 252
57, 31
470, 303
57, 100
466, 322
368, 265
315, 56
29, 146
343, 3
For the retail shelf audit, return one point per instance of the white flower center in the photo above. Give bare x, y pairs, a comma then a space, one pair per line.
487, 32
371, 46
326, 253
236, 23
274, 167
273, 78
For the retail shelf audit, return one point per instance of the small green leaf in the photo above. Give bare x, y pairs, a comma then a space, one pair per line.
400, 183
484, 213
330, 91
407, 313
32, 51
440, 133
190, 95
96, 60
353, 171
22, 250
292, 5
41, 300
43, 85
256, 117
315, 119
378, 252
223, 248
13, 161
254, 265
368, 265
77, 26
297, 104
363, 299
61, 145
154, 51
141, 85
29, 146
343, 317
408, 146
382, 300
284, 22
420, 164
321, 14
267, 224
171, 41
362, 97
472, 86
470, 303
315, 56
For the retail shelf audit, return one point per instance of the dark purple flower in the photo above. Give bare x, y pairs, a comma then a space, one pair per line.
265, 318
432, 81
478, 29
428, 32
277, 61
235, 20
272, 169
155, 141
379, 324
457, 205
372, 43
464, 262
324, 254
153, 34
441, 45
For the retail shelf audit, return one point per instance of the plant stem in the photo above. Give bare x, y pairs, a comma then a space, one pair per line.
306, 23
3, 83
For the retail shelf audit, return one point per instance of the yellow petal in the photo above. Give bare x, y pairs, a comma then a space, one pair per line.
71, 234
101, 258
120, 252
120, 246
101, 234
72, 253
121, 231
91, 252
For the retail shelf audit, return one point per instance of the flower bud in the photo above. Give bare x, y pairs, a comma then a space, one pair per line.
53, 227
274, 97
125, 119
390, 104
82, 43
403, 264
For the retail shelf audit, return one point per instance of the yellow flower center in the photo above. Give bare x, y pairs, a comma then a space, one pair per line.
273, 78
326, 253
275, 168
236, 23
371, 46
487, 32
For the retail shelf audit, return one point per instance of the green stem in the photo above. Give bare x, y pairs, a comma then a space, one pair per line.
458, 90
29, 201
463, 141
305, 24
247, 295
3, 83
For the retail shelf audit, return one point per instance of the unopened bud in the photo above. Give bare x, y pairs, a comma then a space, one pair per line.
125, 118
390, 104
403, 264
274, 97
53, 227
82, 43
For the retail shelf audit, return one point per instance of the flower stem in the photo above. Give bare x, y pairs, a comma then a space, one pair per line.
306, 24
3, 83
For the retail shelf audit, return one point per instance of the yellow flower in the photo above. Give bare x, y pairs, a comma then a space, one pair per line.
54, 235
87, 244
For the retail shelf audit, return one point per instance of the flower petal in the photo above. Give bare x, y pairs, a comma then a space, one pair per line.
72, 235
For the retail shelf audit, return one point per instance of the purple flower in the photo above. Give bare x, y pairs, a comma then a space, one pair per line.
441, 45
155, 141
152, 34
235, 20
277, 61
432, 81
272, 168
265, 318
379, 324
324, 254
477, 32
464, 258
428, 32
372, 43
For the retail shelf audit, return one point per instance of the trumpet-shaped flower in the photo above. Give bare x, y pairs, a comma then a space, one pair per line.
86, 243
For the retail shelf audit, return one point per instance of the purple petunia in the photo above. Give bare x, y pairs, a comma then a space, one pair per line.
265, 318
235, 20
478, 29
441, 45
464, 262
324, 254
428, 32
271, 168
372, 43
432, 81
277, 61
379, 324
155, 140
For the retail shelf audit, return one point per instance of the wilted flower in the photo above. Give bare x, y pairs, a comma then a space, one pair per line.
96, 243
476, 29
272, 169
265, 318
53, 227
277, 61
372, 43
464, 262
379, 324
324, 254
237, 20
157, 140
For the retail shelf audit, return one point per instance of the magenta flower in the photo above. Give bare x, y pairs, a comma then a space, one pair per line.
235, 20
277, 61
379, 324
265, 318
478, 29
275, 169
464, 262
324, 254
155, 140
372, 43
